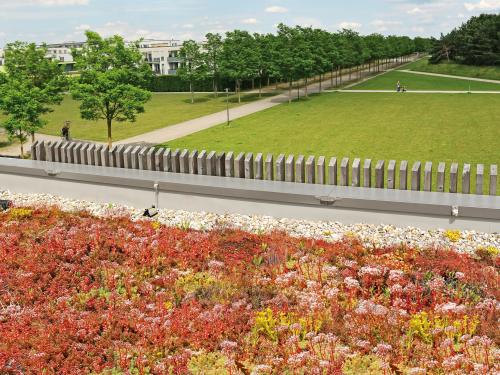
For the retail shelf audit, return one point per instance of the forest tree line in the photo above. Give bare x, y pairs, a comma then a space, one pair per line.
476, 42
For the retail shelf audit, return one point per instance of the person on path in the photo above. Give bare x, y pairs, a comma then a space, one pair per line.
65, 131
398, 87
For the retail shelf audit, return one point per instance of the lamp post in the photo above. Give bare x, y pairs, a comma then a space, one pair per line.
227, 105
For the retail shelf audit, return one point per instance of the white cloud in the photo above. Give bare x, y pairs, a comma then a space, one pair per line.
83, 27
276, 9
118, 28
415, 10
249, 21
47, 3
381, 25
188, 26
350, 25
483, 5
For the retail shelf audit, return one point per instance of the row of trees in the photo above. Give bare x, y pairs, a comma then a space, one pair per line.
476, 42
294, 53
113, 76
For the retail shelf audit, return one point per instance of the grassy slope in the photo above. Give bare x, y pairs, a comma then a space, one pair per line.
486, 72
421, 82
163, 110
447, 127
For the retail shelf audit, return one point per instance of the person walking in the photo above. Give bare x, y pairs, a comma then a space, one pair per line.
65, 131
398, 87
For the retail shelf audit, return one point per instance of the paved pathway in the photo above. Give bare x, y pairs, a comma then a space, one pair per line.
417, 91
450, 76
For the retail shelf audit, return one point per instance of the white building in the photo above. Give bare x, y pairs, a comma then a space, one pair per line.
161, 55
62, 53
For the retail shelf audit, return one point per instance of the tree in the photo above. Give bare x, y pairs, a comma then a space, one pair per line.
266, 66
239, 59
112, 78
30, 87
211, 58
192, 67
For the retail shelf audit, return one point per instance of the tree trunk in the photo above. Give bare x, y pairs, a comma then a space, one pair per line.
289, 92
238, 85
191, 90
268, 81
110, 140
260, 87
320, 83
305, 86
32, 136
331, 77
215, 87
22, 145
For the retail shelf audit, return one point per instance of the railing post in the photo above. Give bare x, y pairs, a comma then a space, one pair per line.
202, 163
391, 174
454, 178
167, 160
249, 166
300, 169
280, 168
379, 174
332, 171
151, 159
479, 179
367, 173
259, 167
428, 176
193, 162
184, 161
127, 157
211, 163
239, 165
403, 175
493, 179
356, 173
344, 172
290, 169
270, 167
311, 170
321, 179
441, 177
220, 167
159, 159
466, 179
229, 164
415, 176
176, 165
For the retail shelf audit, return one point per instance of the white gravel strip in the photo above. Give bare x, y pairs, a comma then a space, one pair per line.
370, 235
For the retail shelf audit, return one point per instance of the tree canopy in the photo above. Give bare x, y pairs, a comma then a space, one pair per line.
112, 80
476, 42
30, 86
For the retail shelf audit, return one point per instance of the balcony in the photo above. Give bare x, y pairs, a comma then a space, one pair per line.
174, 59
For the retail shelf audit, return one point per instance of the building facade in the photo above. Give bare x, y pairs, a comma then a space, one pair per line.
62, 54
161, 55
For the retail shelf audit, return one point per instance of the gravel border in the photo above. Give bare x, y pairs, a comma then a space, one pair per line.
370, 235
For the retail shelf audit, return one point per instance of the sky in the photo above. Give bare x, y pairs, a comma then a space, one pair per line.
54, 21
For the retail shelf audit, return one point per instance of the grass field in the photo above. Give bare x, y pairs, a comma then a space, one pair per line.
421, 82
450, 68
425, 127
163, 110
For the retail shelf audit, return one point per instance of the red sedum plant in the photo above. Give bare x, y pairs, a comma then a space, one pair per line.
80, 294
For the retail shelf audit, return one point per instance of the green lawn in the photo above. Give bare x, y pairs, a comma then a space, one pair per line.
426, 127
389, 80
163, 110
450, 68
